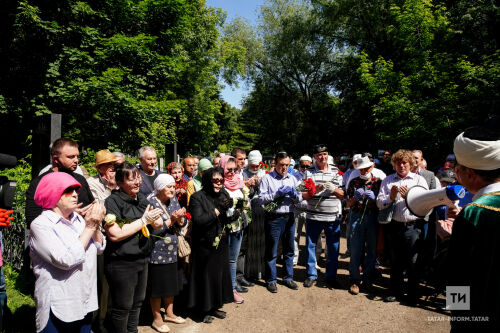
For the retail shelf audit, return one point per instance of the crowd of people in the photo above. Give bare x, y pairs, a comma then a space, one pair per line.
202, 233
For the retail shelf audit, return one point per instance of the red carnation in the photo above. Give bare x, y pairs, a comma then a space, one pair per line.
267, 171
187, 216
310, 186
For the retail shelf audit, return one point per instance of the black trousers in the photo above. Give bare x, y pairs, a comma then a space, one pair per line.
405, 244
240, 264
127, 285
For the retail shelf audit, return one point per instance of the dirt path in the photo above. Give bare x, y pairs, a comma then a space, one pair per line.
319, 309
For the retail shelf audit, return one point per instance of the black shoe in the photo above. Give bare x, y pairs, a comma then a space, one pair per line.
272, 288
240, 289
410, 300
308, 283
219, 314
333, 284
367, 287
290, 284
390, 299
245, 283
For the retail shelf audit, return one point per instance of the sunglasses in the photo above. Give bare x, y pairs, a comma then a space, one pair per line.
71, 189
231, 169
217, 180
303, 166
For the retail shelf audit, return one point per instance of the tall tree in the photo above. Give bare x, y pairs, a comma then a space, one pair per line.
122, 73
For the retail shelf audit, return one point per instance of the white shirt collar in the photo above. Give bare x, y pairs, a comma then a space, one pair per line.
410, 175
495, 187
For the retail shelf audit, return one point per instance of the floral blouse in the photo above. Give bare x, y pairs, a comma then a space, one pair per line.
165, 246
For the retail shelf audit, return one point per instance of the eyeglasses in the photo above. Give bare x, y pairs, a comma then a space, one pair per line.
135, 180
217, 180
231, 169
71, 189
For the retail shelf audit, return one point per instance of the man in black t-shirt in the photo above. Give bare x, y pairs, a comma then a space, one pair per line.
64, 154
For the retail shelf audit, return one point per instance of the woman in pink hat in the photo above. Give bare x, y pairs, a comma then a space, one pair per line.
64, 248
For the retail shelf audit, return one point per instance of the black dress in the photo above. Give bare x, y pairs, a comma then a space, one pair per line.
210, 280
254, 260
164, 277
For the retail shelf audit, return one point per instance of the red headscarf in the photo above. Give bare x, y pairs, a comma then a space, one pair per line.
231, 184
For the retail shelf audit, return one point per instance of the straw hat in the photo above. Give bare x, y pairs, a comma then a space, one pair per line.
104, 156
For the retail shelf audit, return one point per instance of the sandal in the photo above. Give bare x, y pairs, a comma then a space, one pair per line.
162, 329
208, 319
176, 320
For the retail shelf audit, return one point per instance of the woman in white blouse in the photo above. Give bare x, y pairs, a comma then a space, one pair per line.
63, 249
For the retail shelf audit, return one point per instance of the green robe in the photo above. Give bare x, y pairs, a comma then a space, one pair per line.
474, 260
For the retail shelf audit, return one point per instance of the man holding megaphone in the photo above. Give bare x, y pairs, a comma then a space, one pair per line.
405, 231
474, 252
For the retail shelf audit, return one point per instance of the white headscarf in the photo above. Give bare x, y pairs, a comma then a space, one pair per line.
161, 181
475, 154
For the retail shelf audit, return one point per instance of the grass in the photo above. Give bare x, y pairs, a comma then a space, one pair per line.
20, 312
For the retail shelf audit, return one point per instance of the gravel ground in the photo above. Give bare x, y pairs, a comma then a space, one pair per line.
319, 309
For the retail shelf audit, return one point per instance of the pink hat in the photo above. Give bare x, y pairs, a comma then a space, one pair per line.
51, 188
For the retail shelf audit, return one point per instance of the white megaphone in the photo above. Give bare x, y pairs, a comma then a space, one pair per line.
420, 200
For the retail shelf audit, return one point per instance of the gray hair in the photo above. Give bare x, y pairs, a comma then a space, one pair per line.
119, 154
143, 149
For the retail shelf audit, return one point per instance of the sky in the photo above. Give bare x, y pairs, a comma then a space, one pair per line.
243, 8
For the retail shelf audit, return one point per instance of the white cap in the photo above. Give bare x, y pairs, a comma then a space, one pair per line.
254, 157
306, 158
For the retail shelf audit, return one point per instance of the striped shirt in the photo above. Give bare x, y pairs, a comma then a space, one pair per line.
329, 207
401, 212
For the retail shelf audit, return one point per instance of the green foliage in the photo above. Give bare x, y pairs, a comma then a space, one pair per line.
16, 299
122, 74
21, 174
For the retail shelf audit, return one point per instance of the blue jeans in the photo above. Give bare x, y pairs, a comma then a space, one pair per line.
234, 241
55, 325
281, 227
332, 234
361, 233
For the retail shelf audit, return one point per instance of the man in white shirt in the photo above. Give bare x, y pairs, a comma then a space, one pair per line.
405, 231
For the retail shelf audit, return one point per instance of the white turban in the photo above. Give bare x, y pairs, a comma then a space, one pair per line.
163, 180
254, 157
475, 154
